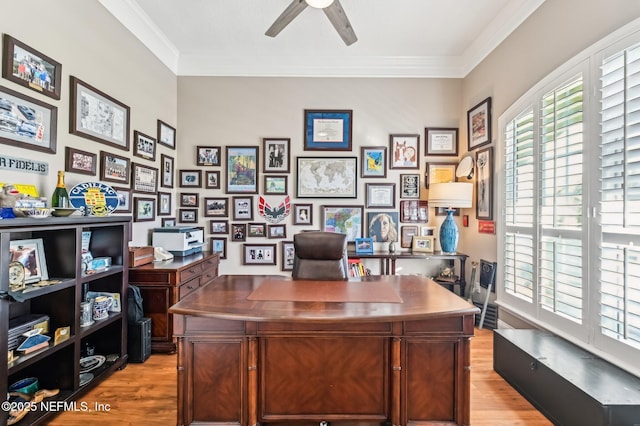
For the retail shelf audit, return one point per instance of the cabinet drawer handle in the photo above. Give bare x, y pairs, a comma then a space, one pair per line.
192, 271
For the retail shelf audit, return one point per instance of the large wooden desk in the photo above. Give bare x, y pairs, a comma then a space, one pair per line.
283, 353
388, 262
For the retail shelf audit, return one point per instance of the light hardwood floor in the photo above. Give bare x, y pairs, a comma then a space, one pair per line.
145, 394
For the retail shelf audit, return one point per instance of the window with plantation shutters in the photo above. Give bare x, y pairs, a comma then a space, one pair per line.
543, 202
620, 196
560, 200
569, 192
519, 207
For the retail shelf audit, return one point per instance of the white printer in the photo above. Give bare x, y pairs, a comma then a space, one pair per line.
179, 240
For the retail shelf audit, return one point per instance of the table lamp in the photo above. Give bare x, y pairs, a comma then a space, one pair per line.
451, 195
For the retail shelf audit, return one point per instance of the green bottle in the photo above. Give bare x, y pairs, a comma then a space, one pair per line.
60, 198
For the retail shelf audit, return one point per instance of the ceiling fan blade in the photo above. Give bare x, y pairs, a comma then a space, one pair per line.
340, 22
286, 17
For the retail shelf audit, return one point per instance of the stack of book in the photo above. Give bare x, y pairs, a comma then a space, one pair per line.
23, 324
357, 269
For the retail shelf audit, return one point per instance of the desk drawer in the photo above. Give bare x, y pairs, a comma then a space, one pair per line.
191, 272
187, 288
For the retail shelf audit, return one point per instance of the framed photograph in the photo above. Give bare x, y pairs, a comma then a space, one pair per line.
97, 116
440, 173
258, 254
167, 171
275, 185
218, 245
77, 161
144, 209
328, 130
415, 211
441, 141
166, 134
381, 195
327, 177
208, 155
188, 199
242, 208
238, 231
276, 155
212, 179
124, 200
484, 184
31, 254
144, 146
374, 161
145, 178
479, 124
410, 185
407, 233
383, 226
404, 151
216, 207
257, 230
422, 244
164, 203
27, 67
288, 255
27, 123
188, 215
114, 168
190, 178
343, 220
168, 221
277, 231
218, 226
364, 246
302, 214
242, 169
427, 231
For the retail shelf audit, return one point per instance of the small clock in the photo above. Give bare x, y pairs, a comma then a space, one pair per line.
16, 276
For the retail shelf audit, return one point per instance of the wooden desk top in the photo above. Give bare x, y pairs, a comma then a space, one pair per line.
228, 297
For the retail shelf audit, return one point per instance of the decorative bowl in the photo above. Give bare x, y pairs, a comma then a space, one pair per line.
62, 212
29, 386
36, 212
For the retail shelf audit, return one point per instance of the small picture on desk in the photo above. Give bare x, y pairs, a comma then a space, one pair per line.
364, 246
422, 244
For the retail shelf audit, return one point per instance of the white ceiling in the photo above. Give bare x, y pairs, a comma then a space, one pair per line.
396, 38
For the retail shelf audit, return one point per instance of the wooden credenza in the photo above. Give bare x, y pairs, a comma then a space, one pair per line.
270, 350
163, 284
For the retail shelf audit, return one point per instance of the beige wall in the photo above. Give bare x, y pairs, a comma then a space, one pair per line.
242, 111
556, 32
91, 45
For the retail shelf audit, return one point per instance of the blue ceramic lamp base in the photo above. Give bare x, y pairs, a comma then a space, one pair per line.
449, 233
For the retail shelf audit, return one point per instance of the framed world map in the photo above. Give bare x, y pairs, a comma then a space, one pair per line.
327, 177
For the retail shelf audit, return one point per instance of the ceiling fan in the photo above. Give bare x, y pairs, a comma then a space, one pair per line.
332, 8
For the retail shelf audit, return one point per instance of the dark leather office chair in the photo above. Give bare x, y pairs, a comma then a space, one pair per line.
320, 256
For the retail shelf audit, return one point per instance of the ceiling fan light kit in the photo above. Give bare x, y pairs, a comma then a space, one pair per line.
332, 8
319, 4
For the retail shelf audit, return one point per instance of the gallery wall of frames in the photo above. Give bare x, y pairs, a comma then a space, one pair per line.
265, 193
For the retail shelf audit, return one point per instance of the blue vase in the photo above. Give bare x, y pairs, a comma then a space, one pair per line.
449, 234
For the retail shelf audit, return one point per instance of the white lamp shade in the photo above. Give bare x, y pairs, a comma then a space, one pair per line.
451, 194
319, 4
